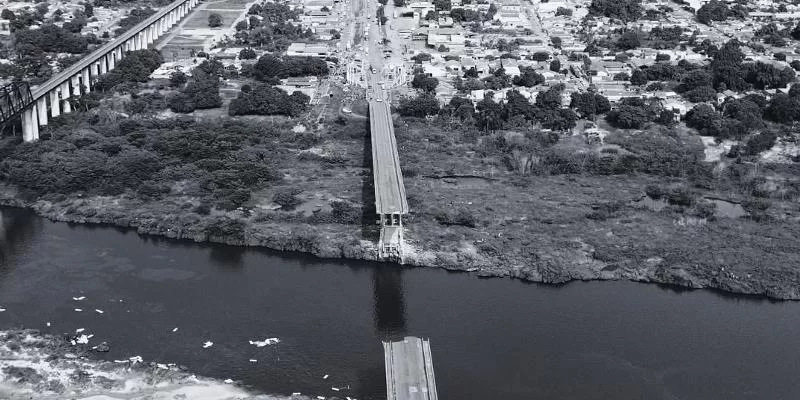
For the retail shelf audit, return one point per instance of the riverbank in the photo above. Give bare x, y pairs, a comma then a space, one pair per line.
495, 204
33, 365
669, 248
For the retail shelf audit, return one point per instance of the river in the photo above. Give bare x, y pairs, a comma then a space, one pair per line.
491, 338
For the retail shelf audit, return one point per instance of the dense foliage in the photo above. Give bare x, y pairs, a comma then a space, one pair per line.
263, 99
136, 66
269, 68
220, 163
625, 10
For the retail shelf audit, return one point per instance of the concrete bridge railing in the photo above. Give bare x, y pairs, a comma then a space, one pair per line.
51, 99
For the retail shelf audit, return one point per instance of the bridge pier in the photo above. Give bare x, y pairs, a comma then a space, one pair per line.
86, 80
55, 107
41, 106
30, 126
76, 85
66, 108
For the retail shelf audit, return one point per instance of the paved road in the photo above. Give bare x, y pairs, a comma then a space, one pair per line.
390, 193
409, 370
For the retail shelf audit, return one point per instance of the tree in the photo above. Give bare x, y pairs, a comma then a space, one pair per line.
567, 12
422, 57
540, 56
528, 77
399, 3
181, 103
625, 10
628, 41
767, 76
704, 118
627, 117
713, 11
551, 98
214, 20
638, 77
203, 89
422, 105
701, 94
621, 77
489, 113
442, 5
247, 54
88, 10
424, 82
7, 14
262, 99
589, 104
783, 109
555, 65
695, 79
556, 41
662, 57
178, 79
795, 65
241, 26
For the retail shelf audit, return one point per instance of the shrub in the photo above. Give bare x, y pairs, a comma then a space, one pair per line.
287, 198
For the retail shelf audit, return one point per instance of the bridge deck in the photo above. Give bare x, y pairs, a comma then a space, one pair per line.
390, 193
409, 370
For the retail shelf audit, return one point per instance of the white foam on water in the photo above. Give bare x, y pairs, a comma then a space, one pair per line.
48, 368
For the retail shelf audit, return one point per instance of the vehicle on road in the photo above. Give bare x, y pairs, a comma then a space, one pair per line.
379, 99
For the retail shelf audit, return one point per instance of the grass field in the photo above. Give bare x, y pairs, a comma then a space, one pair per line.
199, 19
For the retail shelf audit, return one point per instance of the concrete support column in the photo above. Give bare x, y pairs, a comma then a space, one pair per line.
101, 64
86, 80
94, 69
76, 85
65, 106
41, 106
30, 126
110, 60
55, 104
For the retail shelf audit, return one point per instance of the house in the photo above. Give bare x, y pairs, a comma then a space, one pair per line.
307, 50
449, 37
5, 27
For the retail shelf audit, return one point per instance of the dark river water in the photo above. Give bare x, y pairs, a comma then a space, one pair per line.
491, 339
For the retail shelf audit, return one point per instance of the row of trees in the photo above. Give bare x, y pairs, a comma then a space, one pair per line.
219, 162
269, 26
269, 68
737, 118
263, 99
135, 67
727, 71
490, 115
202, 91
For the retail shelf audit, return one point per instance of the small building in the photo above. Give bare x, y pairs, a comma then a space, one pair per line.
307, 50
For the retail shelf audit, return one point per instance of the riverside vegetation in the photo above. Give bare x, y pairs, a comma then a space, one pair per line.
490, 192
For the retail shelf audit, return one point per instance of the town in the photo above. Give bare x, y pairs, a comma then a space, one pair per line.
518, 125
546, 141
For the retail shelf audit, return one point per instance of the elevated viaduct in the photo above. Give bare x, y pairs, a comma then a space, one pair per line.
52, 98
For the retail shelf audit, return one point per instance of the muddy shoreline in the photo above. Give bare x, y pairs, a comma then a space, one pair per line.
335, 241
